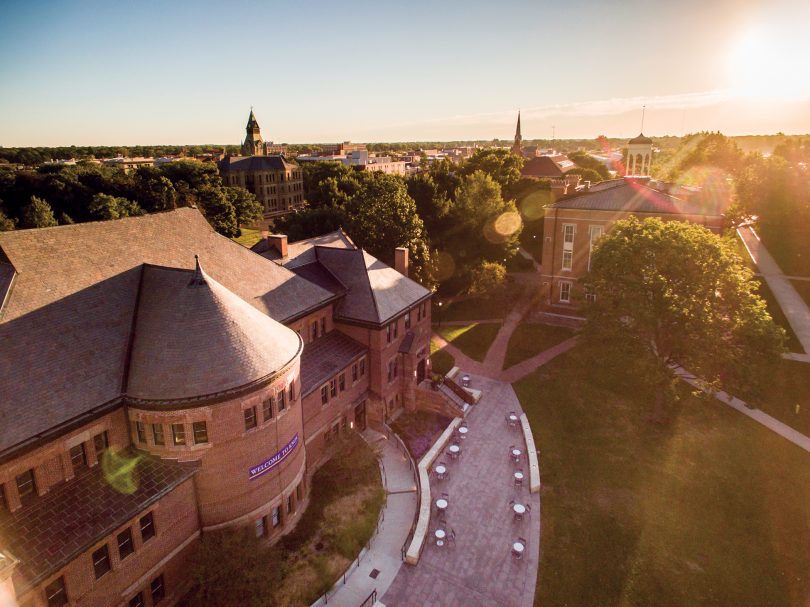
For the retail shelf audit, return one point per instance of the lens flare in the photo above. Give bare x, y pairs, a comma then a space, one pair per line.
444, 265
531, 207
503, 226
120, 471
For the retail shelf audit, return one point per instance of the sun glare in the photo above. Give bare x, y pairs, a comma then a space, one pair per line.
761, 65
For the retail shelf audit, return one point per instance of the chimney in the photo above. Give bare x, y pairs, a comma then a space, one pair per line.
401, 260
279, 243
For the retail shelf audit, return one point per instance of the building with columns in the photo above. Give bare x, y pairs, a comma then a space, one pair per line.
639, 156
160, 381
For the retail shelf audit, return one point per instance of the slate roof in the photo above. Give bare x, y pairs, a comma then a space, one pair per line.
630, 196
641, 138
545, 166
193, 337
302, 252
73, 516
66, 326
255, 163
324, 357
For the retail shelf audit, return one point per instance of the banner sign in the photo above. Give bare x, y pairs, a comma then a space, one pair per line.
275, 460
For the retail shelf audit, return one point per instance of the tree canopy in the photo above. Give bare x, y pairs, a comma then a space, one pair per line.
675, 293
500, 164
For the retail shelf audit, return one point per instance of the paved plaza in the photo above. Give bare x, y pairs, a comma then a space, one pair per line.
479, 570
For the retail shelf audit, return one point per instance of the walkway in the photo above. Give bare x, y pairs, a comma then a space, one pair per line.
783, 430
479, 571
384, 553
794, 307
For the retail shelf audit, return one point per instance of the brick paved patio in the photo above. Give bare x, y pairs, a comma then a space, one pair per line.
479, 571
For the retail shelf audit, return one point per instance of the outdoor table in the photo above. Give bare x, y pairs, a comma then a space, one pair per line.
518, 547
516, 452
441, 469
462, 430
441, 503
465, 381
518, 476
454, 448
440, 534
513, 418
519, 509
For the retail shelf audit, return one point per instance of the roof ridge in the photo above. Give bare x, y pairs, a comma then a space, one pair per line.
368, 282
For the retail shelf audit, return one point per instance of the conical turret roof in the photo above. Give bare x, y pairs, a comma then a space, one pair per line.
640, 139
193, 338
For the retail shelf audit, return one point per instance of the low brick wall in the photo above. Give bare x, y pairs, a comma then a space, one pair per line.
531, 452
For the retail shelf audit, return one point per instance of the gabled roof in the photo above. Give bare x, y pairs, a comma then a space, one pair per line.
66, 326
275, 162
194, 338
630, 196
302, 252
543, 166
324, 357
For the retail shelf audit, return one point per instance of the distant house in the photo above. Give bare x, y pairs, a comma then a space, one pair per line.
548, 166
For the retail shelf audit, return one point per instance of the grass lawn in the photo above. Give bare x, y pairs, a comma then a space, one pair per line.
233, 567
474, 340
789, 246
793, 344
709, 509
803, 288
531, 338
473, 308
441, 361
789, 386
249, 237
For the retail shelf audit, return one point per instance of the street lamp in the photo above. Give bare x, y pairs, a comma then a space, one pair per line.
440, 314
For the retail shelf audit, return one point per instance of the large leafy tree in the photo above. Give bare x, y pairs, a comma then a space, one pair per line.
675, 293
37, 214
500, 164
104, 206
245, 204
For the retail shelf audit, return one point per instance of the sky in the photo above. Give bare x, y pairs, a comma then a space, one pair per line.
146, 72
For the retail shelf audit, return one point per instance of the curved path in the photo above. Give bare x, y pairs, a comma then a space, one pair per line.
479, 570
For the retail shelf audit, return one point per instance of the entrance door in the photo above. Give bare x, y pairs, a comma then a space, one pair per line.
360, 416
420, 371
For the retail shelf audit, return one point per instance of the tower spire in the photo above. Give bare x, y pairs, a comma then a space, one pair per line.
517, 146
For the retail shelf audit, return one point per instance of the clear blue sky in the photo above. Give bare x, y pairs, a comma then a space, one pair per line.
187, 72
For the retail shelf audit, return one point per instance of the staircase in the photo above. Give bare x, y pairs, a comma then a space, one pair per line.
441, 400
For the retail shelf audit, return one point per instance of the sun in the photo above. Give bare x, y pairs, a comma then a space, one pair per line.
762, 65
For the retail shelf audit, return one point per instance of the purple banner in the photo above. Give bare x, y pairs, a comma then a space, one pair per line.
280, 456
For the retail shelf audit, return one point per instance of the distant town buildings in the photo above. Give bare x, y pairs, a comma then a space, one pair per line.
262, 170
356, 155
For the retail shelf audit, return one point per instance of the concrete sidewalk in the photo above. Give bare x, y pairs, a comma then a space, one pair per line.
792, 304
384, 554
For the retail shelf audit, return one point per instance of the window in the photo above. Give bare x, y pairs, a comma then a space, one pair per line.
323, 326
259, 526
324, 394
418, 313
147, 524
137, 600
101, 561
250, 418
396, 328
267, 408
125, 545
140, 432
179, 434
327, 436
565, 292
101, 442
56, 593
342, 381
333, 387
298, 492
289, 503
407, 320
77, 456
157, 434
281, 403
275, 516
567, 260
389, 330
200, 430
26, 487
3, 500
313, 330
590, 296
158, 589
362, 366
390, 370
569, 229
595, 233
354, 372
424, 309
291, 392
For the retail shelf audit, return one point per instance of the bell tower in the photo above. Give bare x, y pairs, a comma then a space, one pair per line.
639, 153
517, 145
253, 145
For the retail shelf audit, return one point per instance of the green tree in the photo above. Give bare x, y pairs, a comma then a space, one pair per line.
500, 164
37, 214
247, 208
328, 183
432, 205
674, 293
218, 210
583, 160
6, 223
586, 175
487, 277
154, 191
309, 222
104, 206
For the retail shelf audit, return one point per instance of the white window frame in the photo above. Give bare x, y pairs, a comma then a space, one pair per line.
569, 245
567, 256
594, 234
564, 283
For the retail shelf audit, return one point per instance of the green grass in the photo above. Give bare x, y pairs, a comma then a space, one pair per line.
793, 344
789, 245
474, 339
485, 307
788, 386
441, 361
249, 237
529, 339
708, 509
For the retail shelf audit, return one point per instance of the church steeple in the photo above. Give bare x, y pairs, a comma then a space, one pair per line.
517, 146
253, 145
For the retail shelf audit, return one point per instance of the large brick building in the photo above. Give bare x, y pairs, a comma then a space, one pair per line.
159, 381
574, 223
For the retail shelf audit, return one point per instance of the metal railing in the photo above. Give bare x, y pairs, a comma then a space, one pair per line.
412, 465
370, 599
